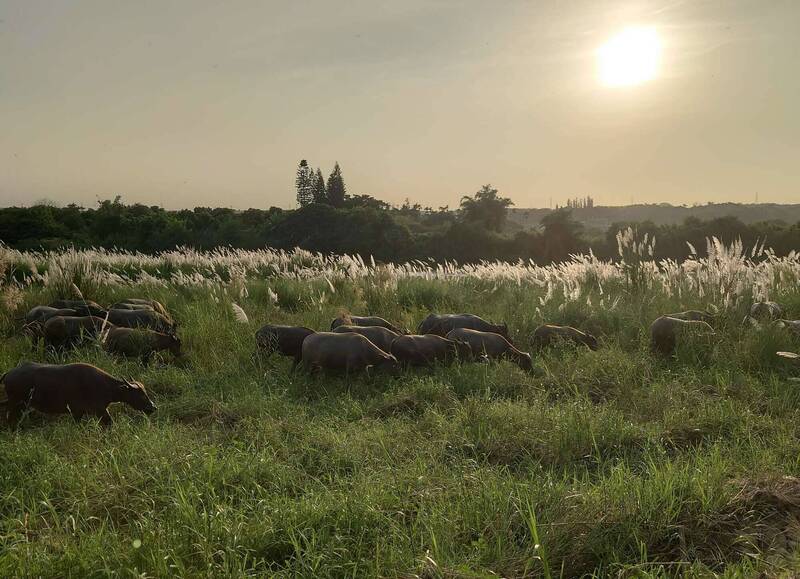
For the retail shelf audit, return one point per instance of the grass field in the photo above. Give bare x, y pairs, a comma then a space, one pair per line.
608, 462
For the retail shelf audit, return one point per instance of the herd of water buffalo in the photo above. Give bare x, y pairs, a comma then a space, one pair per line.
138, 327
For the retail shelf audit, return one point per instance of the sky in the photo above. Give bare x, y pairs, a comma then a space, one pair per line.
185, 103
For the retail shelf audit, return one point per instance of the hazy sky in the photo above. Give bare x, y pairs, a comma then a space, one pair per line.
186, 103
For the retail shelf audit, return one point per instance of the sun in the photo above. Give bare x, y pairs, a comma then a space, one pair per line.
630, 57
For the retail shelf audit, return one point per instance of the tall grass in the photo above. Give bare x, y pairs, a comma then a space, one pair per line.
601, 463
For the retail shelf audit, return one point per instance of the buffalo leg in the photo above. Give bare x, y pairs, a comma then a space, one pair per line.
14, 412
105, 417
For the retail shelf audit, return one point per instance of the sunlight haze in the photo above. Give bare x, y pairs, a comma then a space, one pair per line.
191, 103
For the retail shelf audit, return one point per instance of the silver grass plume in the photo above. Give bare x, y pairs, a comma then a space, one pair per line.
239, 314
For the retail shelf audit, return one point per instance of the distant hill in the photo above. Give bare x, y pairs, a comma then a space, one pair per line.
599, 218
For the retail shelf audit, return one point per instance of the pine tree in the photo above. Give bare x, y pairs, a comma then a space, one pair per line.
320, 195
304, 184
336, 190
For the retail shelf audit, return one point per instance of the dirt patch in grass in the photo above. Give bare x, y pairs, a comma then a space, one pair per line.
762, 516
412, 403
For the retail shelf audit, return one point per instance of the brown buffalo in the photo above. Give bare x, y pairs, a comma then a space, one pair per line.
141, 343
694, 315
378, 335
286, 340
428, 350
492, 346
665, 331
78, 389
442, 324
82, 307
151, 320
348, 352
365, 321
141, 303
69, 330
44, 313
545, 335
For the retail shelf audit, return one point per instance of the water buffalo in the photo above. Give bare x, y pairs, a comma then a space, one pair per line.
768, 310
664, 332
694, 315
349, 352
69, 330
545, 335
442, 324
378, 335
142, 343
125, 306
428, 350
44, 313
82, 307
77, 389
151, 320
286, 340
491, 345
141, 304
365, 321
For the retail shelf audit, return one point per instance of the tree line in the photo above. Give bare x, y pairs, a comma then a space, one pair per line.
366, 226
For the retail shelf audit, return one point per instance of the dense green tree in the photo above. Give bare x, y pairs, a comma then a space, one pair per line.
364, 225
486, 208
320, 194
336, 190
562, 234
304, 184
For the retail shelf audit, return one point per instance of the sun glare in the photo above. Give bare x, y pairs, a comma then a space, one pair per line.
630, 57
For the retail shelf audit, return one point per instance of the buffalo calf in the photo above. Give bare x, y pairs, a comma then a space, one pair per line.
665, 331
365, 321
378, 335
348, 352
545, 335
491, 345
286, 340
142, 343
428, 350
442, 324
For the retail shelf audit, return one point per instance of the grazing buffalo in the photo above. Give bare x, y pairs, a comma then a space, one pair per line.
442, 324
547, 334
428, 350
365, 321
69, 330
694, 316
77, 389
151, 320
491, 345
140, 304
140, 343
664, 332
44, 313
125, 306
286, 340
766, 310
82, 307
348, 352
378, 335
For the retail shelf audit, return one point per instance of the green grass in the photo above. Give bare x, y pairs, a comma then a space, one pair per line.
598, 463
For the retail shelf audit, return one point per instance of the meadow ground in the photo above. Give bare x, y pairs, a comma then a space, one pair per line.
613, 462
